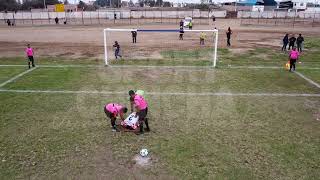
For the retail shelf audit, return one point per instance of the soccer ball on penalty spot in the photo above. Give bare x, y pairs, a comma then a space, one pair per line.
144, 152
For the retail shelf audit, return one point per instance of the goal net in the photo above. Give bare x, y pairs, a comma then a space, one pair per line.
167, 47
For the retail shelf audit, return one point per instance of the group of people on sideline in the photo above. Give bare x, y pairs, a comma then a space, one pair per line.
293, 42
295, 47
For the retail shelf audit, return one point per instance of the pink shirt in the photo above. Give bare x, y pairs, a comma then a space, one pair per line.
140, 102
294, 54
29, 51
114, 108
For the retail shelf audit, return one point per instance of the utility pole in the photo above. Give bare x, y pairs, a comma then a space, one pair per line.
44, 4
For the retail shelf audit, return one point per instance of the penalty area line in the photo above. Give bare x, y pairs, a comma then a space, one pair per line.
307, 79
164, 93
16, 77
186, 68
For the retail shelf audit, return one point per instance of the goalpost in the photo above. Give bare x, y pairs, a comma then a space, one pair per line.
162, 42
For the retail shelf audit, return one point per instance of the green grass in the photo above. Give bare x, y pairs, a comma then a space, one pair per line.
50, 61
192, 138
162, 62
59, 136
189, 54
8, 72
314, 75
218, 80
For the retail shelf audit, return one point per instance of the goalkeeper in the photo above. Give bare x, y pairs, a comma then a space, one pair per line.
117, 49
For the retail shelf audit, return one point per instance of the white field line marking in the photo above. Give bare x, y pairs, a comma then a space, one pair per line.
307, 79
160, 67
16, 77
163, 93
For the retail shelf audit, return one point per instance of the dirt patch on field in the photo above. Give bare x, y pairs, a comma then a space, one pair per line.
239, 50
87, 41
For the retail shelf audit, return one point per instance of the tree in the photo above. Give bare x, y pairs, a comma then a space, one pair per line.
166, 4
150, 3
9, 5
116, 3
102, 3
159, 3
131, 4
65, 2
82, 5
141, 3
27, 5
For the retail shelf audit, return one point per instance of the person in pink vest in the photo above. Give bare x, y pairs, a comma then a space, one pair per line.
114, 110
141, 107
293, 58
29, 53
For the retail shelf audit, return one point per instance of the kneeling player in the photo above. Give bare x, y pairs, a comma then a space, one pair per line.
113, 110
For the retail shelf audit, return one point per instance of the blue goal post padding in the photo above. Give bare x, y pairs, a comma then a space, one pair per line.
158, 30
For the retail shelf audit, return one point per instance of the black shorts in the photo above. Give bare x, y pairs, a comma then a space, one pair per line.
293, 61
109, 114
30, 58
142, 114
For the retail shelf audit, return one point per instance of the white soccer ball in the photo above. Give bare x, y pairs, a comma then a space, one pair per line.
144, 152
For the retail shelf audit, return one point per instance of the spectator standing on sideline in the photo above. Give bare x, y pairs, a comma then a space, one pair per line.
229, 32
56, 20
8, 22
300, 40
292, 41
285, 42
134, 36
213, 19
181, 23
293, 58
190, 25
30, 53
181, 33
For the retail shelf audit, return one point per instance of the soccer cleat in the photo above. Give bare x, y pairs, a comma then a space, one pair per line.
114, 129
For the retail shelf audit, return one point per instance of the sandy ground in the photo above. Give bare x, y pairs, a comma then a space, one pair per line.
87, 41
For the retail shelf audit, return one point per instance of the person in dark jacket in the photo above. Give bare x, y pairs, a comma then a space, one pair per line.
181, 33
181, 23
292, 41
229, 32
134, 36
285, 42
56, 20
300, 40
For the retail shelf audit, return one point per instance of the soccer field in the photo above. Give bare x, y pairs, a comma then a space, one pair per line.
248, 118
224, 123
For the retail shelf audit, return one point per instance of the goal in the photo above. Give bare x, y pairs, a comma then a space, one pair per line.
168, 47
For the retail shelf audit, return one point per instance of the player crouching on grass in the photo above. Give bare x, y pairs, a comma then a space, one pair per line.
141, 107
113, 110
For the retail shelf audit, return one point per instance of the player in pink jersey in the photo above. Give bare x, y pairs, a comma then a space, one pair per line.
29, 53
114, 110
141, 107
293, 57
